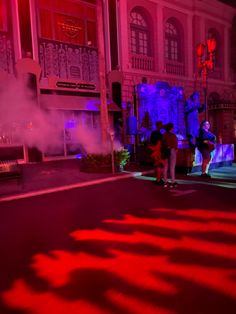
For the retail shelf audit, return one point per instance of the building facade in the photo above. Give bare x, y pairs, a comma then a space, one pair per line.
52, 46
157, 42
56, 46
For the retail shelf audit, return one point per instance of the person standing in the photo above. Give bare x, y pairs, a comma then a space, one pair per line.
169, 152
155, 142
206, 145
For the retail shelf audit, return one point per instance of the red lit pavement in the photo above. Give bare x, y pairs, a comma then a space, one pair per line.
121, 246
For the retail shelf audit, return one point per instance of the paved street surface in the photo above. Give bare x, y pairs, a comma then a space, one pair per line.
121, 246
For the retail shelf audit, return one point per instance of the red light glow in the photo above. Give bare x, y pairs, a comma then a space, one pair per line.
131, 280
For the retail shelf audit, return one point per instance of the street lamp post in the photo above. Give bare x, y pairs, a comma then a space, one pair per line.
206, 65
112, 137
102, 72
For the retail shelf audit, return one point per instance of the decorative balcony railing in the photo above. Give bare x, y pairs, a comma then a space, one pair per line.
6, 55
68, 61
216, 73
141, 62
233, 75
174, 68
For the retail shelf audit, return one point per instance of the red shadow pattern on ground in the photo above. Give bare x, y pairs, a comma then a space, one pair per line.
167, 263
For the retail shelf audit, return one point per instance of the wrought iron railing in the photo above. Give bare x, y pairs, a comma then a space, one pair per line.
6, 53
216, 74
68, 61
174, 68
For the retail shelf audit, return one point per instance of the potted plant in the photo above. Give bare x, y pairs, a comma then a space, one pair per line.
121, 158
103, 162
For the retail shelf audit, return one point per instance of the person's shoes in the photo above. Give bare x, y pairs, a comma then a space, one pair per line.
165, 185
160, 182
205, 175
173, 185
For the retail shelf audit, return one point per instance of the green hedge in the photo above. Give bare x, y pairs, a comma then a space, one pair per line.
121, 158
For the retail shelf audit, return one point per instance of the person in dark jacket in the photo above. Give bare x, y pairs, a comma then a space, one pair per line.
156, 135
169, 150
206, 145
155, 145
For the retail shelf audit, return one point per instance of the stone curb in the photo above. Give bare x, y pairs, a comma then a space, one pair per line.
73, 186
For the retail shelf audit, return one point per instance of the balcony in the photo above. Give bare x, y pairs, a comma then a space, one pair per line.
141, 62
217, 74
174, 68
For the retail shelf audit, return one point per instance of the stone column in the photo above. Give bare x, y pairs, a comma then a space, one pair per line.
190, 48
102, 72
226, 54
160, 39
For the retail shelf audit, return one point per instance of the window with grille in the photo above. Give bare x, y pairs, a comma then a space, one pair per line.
139, 34
172, 42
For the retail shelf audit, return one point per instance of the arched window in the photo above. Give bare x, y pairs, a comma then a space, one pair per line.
172, 41
140, 42
213, 33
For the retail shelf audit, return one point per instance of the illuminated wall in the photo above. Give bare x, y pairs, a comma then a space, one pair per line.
160, 101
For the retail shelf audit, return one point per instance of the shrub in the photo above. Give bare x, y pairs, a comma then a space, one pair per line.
121, 158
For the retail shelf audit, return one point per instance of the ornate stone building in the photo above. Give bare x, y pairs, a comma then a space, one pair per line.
157, 41
56, 44
53, 46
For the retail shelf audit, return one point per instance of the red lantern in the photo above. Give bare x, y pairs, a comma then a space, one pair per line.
200, 50
211, 45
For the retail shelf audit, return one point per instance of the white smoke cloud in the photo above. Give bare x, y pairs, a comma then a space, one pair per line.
92, 143
22, 120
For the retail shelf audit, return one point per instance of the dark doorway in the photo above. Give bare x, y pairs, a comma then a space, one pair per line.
116, 97
116, 93
34, 154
